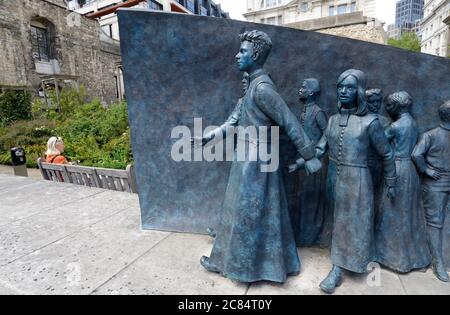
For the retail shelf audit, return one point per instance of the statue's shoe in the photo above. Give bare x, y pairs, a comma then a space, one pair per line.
211, 232
332, 281
206, 263
439, 271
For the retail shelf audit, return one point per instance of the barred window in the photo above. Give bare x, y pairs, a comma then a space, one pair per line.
39, 42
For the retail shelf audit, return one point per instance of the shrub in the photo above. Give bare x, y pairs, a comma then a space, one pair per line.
14, 106
98, 136
93, 134
31, 135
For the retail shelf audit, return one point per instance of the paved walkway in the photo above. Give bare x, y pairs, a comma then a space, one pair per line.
33, 173
65, 239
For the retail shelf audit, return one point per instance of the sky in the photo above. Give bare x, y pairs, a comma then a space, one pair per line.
385, 9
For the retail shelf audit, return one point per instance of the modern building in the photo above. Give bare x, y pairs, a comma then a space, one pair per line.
408, 17
396, 32
347, 18
44, 45
105, 10
408, 12
435, 28
281, 12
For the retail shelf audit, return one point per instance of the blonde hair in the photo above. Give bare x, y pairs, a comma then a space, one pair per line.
51, 146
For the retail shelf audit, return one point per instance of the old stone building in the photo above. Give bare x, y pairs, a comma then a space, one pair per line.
351, 25
42, 41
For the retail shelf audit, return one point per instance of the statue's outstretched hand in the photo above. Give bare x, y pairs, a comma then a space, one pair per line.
312, 166
433, 174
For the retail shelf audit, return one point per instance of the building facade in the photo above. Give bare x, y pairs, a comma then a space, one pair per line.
396, 32
105, 10
281, 12
347, 18
46, 45
408, 12
435, 28
408, 16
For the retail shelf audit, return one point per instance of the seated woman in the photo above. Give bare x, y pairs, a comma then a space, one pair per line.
55, 149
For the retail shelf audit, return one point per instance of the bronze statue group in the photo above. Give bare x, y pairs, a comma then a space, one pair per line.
382, 198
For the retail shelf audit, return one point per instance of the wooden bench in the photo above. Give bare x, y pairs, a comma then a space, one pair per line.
118, 180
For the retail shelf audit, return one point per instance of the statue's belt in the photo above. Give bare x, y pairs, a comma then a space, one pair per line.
341, 163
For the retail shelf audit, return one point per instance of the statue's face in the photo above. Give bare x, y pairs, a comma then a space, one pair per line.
244, 57
392, 109
304, 91
348, 92
374, 104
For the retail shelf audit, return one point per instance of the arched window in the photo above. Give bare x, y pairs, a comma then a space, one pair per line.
42, 39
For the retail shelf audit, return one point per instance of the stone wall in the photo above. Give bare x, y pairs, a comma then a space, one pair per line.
77, 46
363, 32
351, 25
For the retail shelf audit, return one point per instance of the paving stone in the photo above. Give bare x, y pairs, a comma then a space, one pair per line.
25, 236
173, 267
424, 284
84, 261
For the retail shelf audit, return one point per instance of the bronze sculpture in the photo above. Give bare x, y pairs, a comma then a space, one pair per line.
312, 224
349, 137
401, 230
375, 163
432, 158
254, 239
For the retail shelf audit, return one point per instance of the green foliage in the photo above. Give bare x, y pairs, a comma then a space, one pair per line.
98, 136
14, 106
409, 41
93, 134
70, 99
31, 135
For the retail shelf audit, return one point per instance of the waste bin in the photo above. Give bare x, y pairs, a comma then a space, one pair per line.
19, 161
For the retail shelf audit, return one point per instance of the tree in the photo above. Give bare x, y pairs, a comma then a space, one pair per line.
409, 41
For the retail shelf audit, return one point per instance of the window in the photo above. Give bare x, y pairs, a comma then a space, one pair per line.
39, 42
190, 4
342, 9
353, 7
272, 20
331, 10
304, 7
204, 8
155, 5
280, 20
108, 30
215, 11
269, 3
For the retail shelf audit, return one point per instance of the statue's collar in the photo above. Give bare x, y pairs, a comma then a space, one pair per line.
310, 104
345, 115
345, 111
256, 74
445, 127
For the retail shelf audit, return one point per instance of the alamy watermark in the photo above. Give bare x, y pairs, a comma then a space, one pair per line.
374, 277
242, 144
73, 19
